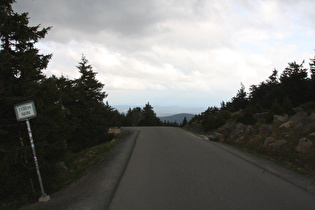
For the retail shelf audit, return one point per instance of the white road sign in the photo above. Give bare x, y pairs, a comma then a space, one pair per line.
25, 111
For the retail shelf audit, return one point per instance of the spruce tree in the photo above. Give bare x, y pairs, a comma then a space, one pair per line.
149, 116
294, 83
184, 122
312, 81
21, 74
240, 101
88, 108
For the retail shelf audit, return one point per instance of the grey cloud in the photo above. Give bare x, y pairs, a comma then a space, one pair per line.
122, 17
125, 18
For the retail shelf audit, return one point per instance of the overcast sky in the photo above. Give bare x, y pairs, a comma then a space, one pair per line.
192, 53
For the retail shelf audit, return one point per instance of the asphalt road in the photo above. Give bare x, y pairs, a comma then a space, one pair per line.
173, 169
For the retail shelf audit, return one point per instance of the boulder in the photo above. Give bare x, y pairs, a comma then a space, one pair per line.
268, 141
239, 128
278, 144
253, 139
299, 116
240, 140
304, 145
307, 128
280, 118
212, 138
312, 134
289, 124
261, 116
265, 130
115, 131
219, 136
227, 128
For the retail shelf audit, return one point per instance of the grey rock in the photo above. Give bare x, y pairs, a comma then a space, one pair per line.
299, 116
265, 130
268, 141
219, 136
304, 145
239, 128
307, 128
213, 138
280, 118
278, 144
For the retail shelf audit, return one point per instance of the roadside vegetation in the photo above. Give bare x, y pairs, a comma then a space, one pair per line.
276, 119
72, 117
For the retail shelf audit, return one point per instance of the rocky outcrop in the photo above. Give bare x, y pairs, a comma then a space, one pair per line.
278, 139
304, 145
280, 118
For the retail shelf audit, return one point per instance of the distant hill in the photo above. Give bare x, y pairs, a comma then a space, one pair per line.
177, 118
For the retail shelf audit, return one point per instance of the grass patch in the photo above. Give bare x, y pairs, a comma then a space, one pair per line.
77, 164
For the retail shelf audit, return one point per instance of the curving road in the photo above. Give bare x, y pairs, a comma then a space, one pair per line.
173, 169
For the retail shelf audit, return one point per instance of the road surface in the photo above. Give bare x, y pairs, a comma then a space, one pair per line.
173, 169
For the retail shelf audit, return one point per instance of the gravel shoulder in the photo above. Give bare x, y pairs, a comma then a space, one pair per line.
95, 189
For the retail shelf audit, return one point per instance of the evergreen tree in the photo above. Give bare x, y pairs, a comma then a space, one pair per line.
312, 81
134, 116
88, 109
184, 122
89, 89
21, 75
264, 94
240, 101
149, 116
294, 83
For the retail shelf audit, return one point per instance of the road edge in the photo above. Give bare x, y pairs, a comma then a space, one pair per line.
112, 170
303, 182
120, 157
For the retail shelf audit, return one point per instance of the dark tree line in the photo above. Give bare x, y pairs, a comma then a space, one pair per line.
71, 113
277, 95
138, 116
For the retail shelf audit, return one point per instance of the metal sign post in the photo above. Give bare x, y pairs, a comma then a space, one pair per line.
24, 112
